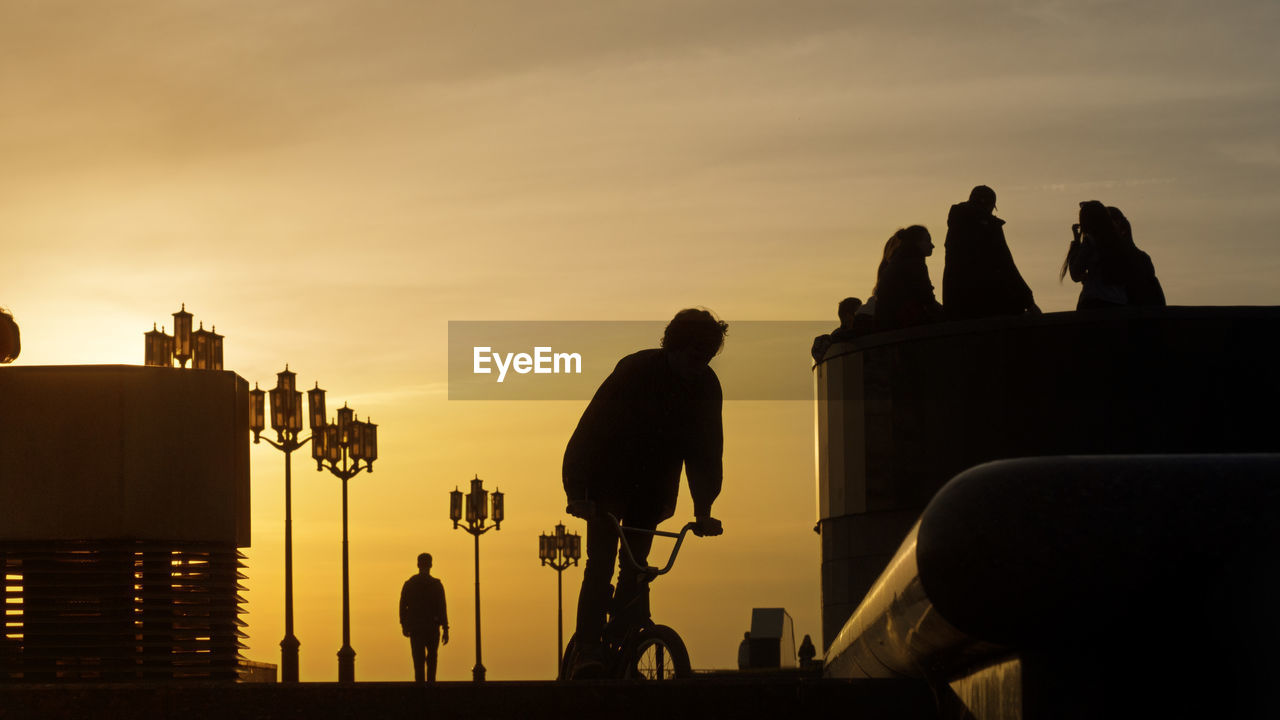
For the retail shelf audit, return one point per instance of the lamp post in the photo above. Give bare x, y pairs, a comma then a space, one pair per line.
340, 449
558, 550
182, 336
477, 511
203, 347
286, 420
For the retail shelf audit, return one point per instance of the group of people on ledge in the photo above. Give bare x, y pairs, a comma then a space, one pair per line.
980, 278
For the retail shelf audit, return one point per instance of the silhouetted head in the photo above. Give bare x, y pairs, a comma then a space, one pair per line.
10, 340
905, 244
984, 198
1121, 223
1113, 261
696, 334
917, 239
847, 308
424, 562
1096, 220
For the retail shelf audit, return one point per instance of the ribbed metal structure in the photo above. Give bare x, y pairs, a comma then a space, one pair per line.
120, 611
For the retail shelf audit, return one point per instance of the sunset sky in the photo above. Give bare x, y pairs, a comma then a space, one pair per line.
330, 183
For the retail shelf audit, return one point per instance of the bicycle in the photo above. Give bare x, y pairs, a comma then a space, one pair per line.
635, 647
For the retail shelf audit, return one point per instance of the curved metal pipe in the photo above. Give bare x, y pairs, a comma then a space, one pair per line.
1045, 553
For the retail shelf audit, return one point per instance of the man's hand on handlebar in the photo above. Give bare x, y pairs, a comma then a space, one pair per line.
707, 526
585, 509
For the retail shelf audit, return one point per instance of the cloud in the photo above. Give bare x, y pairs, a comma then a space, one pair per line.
1081, 186
1262, 152
399, 396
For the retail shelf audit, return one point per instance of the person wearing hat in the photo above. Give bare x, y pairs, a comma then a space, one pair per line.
980, 278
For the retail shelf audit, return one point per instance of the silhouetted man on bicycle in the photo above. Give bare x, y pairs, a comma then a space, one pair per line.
657, 412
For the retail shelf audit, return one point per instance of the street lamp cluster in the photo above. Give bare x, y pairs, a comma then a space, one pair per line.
339, 446
477, 511
345, 447
202, 347
558, 550
345, 443
340, 449
477, 508
286, 410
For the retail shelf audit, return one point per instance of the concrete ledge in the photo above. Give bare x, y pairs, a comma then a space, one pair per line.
899, 414
701, 698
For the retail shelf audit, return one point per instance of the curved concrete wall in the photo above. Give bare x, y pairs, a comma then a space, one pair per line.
899, 414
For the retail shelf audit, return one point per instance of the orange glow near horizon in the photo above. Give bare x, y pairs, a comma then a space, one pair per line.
331, 184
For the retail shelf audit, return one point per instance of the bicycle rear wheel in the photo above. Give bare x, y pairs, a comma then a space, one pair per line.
658, 654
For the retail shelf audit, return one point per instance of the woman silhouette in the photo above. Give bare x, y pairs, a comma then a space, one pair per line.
903, 292
1097, 259
1143, 287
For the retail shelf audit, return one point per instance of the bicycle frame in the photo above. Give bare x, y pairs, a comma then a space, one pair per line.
627, 637
649, 571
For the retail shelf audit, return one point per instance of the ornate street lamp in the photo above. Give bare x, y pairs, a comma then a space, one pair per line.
558, 550
200, 348
286, 420
206, 348
159, 348
215, 349
203, 347
182, 336
341, 449
477, 511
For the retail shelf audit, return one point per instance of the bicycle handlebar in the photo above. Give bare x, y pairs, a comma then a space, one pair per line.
631, 558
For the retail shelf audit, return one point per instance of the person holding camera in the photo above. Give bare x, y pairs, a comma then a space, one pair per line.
1097, 259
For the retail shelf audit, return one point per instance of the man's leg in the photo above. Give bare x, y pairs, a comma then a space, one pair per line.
593, 598
417, 647
632, 595
433, 644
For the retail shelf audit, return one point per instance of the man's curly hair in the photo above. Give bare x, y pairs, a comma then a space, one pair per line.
697, 329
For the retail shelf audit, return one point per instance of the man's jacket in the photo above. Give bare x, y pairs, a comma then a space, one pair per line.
644, 423
422, 606
980, 278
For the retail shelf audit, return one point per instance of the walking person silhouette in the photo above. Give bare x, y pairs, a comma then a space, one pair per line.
422, 617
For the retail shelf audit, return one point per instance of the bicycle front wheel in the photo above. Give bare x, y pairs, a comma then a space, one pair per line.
568, 656
659, 654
